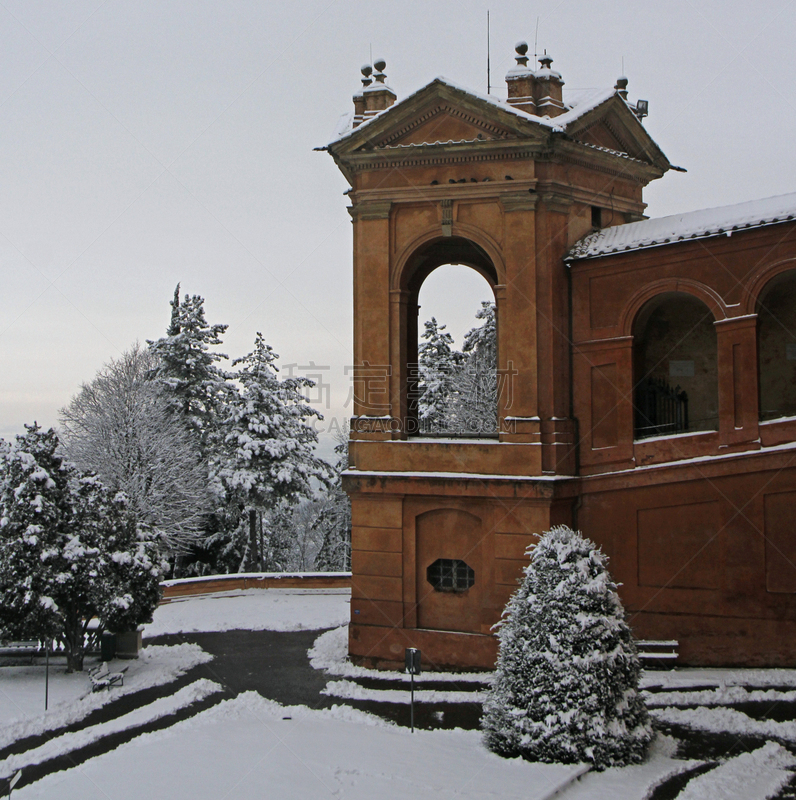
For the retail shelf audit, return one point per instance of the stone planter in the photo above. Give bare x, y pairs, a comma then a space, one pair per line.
128, 644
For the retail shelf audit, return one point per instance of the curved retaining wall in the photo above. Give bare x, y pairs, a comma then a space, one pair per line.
209, 584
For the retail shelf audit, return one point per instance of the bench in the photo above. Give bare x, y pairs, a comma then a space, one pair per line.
102, 678
657, 654
27, 648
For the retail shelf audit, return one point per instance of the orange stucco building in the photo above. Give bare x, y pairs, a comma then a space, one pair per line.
647, 374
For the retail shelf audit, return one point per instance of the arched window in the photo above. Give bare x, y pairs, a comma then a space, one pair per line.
456, 354
450, 341
675, 372
776, 341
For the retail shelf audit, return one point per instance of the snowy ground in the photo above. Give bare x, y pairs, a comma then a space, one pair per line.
253, 610
70, 696
250, 747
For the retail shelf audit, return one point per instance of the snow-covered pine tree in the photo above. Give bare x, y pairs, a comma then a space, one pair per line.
121, 427
198, 391
69, 550
438, 365
566, 681
334, 517
477, 385
195, 386
268, 454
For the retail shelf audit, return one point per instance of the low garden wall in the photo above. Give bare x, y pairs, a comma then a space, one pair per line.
209, 584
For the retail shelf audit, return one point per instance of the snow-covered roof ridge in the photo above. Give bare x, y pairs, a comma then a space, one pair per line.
681, 227
580, 105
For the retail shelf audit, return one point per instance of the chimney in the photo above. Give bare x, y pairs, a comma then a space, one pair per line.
521, 82
549, 98
377, 96
359, 97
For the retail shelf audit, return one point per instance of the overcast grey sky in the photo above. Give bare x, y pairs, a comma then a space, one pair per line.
146, 143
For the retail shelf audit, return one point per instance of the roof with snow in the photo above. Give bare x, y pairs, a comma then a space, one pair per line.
579, 103
701, 224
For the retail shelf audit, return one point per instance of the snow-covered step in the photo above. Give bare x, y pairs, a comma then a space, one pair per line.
658, 653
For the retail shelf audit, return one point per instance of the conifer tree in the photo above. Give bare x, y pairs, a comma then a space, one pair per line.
566, 681
196, 387
268, 450
334, 517
69, 550
438, 365
477, 386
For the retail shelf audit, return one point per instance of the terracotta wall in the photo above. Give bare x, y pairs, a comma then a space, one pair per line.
705, 554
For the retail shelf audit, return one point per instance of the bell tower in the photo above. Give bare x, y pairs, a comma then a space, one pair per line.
448, 176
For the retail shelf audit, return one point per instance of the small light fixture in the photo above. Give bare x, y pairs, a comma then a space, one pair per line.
642, 108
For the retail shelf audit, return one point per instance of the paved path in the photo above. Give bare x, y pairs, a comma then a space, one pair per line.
276, 666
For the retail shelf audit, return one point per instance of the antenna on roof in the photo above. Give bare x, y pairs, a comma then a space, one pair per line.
488, 75
536, 41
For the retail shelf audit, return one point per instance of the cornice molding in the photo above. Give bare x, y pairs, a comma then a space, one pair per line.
519, 201
370, 209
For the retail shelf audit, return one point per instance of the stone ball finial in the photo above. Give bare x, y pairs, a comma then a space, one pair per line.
522, 50
379, 64
366, 73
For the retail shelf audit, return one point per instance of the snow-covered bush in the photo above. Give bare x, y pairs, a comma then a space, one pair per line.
566, 682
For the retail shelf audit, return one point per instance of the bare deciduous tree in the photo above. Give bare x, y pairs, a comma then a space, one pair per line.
120, 426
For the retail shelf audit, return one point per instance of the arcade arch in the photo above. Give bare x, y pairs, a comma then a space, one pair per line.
776, 345
454, 392
675, 367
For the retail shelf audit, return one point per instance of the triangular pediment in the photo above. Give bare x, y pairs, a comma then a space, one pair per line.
438, 114
444, 122
613, 126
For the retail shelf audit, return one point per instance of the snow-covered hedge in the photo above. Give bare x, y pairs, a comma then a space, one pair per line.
566, 684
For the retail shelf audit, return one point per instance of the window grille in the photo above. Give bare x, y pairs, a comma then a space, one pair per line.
450, 575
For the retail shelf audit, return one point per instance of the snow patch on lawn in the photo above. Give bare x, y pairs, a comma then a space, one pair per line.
635, 782
22, 689
750, 776
246, 747
330, 654
685, 677
253, 610
724, 695
353, 691
726, 720
68, 742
